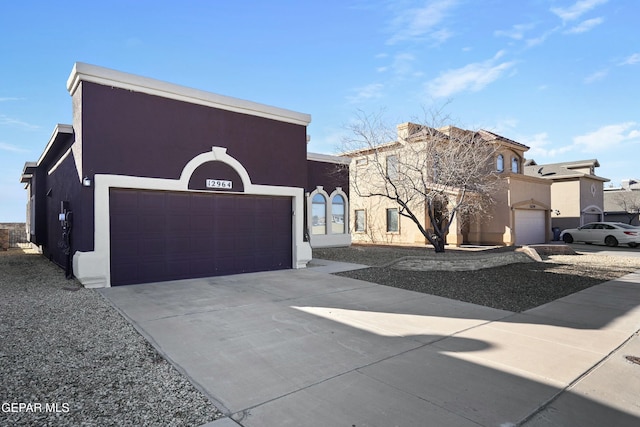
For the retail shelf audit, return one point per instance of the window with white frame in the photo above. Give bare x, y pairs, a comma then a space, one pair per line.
500, 163
318, 214
337, 214
360, 224
393, 225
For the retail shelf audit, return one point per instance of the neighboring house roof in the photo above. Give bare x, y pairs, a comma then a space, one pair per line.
569, 165
565, 170
490, 136
420, 132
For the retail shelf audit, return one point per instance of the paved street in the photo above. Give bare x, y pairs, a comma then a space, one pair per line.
621, 250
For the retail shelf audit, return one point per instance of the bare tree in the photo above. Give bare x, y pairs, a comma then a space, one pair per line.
430, 172
629, 202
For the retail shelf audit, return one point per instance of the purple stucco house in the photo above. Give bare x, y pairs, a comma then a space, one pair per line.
155, 182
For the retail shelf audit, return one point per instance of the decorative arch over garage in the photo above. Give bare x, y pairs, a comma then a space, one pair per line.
261, 211
591, 213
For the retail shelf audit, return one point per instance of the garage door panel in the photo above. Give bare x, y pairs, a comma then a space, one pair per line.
157, 235
181, 245
124, 223
178, 223
153, 247
124, 249
152, 201
125, 272
530, 226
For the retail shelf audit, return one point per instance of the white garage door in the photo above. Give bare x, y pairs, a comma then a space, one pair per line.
530, 228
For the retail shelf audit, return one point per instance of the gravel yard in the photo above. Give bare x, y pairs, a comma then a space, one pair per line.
514, 287
66, 352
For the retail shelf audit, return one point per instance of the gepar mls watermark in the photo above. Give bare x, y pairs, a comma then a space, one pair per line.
35, 407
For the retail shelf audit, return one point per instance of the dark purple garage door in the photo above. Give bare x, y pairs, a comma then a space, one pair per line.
162, 235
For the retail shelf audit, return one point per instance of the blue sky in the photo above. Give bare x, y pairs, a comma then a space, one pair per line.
561, 76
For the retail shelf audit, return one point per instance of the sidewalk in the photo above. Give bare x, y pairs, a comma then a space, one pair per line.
301, 347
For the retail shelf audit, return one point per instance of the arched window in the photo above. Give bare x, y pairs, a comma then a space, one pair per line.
514, 165
500, 163
319, 214
337, 214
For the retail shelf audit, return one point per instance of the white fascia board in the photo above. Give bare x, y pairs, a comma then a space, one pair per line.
60, 128
317, 157
119, 79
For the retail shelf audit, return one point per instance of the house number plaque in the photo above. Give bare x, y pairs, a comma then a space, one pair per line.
219, 183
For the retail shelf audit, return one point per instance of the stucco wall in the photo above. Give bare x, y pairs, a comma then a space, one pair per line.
64, 185
132, 133
328, 175
376, 223
565, 199
591, 193
123, 132
570, 198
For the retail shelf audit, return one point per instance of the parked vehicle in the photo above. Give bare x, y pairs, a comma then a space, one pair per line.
608, 233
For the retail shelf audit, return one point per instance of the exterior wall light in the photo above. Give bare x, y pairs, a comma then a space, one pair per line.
86, 181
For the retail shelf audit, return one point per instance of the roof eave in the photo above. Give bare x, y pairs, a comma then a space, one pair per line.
317, 157
59, 129
105, 76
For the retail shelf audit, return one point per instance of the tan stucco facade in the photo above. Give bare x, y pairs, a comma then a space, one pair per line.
519, 192
577, 194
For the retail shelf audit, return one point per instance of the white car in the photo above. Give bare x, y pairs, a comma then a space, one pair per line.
608, 233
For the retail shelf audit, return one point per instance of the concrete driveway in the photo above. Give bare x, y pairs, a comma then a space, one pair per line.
305, 348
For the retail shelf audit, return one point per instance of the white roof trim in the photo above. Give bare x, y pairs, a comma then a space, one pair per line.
317, 157
60, 128
108, 77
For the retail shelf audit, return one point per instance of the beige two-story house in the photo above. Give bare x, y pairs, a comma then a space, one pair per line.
519, 213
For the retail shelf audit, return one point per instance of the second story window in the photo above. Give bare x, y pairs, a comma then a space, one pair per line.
500, 163
515, 165
392, 167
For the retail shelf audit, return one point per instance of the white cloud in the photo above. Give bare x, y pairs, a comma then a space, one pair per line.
631, 60
540, 146
420, 23
598, 75
472, 77
365, 93
578, 9
8, 98
11, 148
535, 41
516, 32
585, 26
9, 121
403, 64
608, 137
